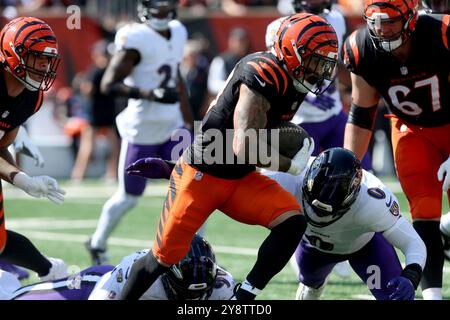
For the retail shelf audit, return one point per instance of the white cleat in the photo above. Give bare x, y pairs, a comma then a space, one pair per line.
308, 293
343, 269
57, 271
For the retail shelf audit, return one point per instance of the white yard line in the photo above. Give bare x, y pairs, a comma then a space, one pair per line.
363, 297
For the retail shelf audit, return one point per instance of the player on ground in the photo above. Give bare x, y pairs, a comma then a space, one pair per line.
145, 68
404, 58
352, 216
196, 277
263, 89
29, 59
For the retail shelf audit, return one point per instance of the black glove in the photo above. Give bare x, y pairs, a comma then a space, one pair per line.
165, 95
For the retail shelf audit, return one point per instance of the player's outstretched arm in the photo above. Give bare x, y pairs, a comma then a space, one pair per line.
24, 145
403, 236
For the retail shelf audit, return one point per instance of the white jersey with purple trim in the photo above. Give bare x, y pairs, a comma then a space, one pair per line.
376, 209
143, 121
112, 283
316, 108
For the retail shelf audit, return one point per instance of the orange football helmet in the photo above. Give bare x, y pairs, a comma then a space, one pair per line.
308, 46
29, 51
387, 12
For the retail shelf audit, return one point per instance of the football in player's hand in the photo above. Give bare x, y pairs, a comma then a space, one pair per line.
290, 138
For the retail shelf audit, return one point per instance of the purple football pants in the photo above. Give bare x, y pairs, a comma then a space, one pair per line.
376, 264
76, 287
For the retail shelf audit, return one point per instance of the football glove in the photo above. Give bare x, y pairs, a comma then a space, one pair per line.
23, 144
165, 95
152, 168
300, 160
444, 170
40, 186
403, 289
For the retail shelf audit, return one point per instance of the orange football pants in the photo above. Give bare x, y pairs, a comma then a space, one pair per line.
193, 196
418, 153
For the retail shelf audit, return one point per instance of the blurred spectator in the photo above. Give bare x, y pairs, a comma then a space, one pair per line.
221, 66
101, 118
195, 72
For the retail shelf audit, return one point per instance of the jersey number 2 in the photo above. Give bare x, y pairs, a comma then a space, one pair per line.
166, 70
411, 108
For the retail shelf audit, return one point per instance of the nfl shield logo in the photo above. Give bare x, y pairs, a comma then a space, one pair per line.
404, 70
5, 114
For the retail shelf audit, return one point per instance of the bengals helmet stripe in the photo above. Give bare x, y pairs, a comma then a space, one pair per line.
308, 46
445, 27
377, 11
22, 41
27, 25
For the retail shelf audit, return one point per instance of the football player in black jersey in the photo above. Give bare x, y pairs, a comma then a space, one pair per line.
263, 89
29, 59
404, 58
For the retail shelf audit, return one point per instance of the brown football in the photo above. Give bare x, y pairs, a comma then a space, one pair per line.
290, 138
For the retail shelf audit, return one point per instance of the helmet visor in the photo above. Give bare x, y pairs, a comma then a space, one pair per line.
316, 73
40, 69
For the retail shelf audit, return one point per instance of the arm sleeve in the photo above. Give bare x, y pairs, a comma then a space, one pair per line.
403, 236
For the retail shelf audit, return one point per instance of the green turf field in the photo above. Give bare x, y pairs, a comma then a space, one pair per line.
60, 231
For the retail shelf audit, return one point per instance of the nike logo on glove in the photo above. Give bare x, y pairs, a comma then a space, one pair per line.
262, 83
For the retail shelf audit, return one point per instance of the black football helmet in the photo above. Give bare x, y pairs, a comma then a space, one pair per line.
331, 185
312, 6
193, 277
437, 6
157, 13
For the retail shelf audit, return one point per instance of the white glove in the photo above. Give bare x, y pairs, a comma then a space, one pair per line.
300, 160
40, 186
23, 144
444, 169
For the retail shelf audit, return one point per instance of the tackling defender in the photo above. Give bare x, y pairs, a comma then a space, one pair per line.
195, 277
351, 216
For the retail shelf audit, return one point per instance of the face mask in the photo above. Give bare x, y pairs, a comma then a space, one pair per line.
391, 45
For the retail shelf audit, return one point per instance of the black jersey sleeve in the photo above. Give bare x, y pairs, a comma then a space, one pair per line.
264, 75
353, 51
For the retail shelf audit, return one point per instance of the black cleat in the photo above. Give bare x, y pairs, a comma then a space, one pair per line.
98, 256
